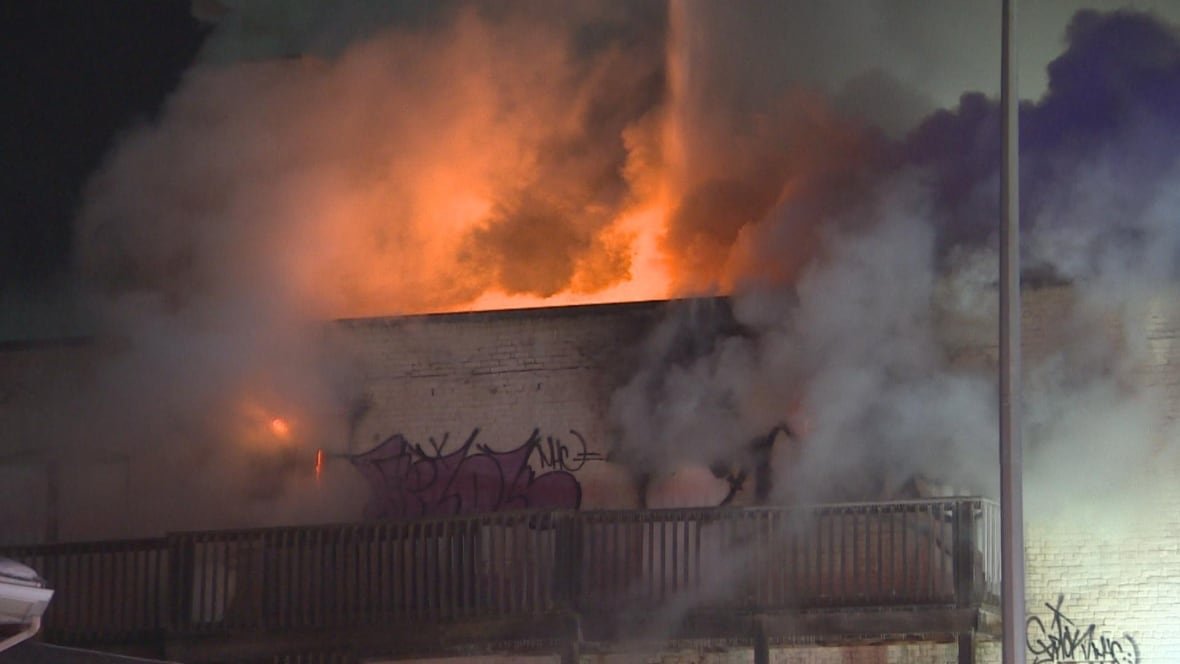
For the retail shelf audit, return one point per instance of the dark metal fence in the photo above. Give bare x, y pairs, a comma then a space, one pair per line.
103, 591
866, 554
323, 576
930, 552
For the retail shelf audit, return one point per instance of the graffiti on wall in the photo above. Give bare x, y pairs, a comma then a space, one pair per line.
1056, 639
558, 454
410, 481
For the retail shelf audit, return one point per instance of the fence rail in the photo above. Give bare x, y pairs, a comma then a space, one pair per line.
103, 591
920, 553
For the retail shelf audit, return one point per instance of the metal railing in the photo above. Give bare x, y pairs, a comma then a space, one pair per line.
914, 553
103, 591
469, 567
851, 555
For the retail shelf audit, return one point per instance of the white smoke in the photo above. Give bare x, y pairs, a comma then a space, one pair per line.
881, 354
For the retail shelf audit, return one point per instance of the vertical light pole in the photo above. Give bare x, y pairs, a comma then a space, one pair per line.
1011, 447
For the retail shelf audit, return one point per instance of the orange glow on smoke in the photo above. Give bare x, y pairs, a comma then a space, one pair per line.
280, 428
470, 212
477, 166
647, 277
463, 201
440, 268
258, 426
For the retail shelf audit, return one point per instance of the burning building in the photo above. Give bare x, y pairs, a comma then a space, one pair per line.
529, 393
477, 159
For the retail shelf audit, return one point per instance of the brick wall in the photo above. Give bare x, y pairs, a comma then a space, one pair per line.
1110, 555
1114, 563
436, 378
1119, 572
1109, 558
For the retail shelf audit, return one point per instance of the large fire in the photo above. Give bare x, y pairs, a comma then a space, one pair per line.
647, 278
488, 164
496, 160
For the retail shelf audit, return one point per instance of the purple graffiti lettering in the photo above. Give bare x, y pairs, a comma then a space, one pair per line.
409, 482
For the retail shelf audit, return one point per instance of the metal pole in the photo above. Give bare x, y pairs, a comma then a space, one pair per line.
1011, 453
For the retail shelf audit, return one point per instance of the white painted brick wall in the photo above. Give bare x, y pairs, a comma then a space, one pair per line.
506, 373
1120, 573
1113, 560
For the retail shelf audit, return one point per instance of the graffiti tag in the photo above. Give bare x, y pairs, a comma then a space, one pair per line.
409, 481
555, 453
1062, 640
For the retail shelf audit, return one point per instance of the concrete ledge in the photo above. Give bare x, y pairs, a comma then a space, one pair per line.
605, 633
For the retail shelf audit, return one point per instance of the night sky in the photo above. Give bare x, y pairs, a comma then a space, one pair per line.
75, 74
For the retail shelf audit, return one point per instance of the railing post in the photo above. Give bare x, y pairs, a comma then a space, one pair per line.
571, 651
568, 554
966, 648
761, 644
181, 582
965, 546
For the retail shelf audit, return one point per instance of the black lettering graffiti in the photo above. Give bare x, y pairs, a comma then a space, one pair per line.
1062, 640
556, 454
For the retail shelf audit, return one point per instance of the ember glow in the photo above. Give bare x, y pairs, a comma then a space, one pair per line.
280, 428
257, 427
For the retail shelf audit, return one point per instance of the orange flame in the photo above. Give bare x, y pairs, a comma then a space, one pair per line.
319, 464
479, 177
260, 426
463, 202
280, 428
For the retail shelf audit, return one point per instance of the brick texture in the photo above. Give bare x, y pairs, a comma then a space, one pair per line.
438, 378
1115, 565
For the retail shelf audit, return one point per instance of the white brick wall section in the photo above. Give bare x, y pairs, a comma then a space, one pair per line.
503, 373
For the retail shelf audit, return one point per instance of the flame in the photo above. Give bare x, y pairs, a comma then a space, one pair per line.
476, 165
648, 277
319, 464
473, 167
447, 265
280, 428
260, 427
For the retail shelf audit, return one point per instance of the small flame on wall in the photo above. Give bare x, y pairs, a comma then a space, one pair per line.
319, 464
280, 428
266, 427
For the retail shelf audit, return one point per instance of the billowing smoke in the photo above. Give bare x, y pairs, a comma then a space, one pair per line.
325, 160
864, 270
328, 159
415, 170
